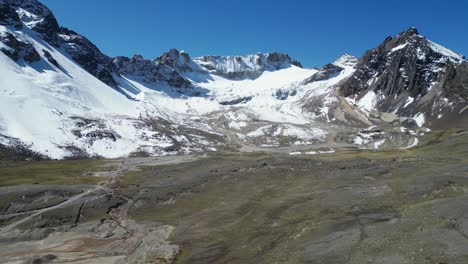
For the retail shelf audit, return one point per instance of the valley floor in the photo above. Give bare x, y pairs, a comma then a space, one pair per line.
350, 206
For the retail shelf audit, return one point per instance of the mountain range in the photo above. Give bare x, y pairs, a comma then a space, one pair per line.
61, 97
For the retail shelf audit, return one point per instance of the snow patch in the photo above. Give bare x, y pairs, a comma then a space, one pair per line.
368, 101
409, 101
288, 130
29, 19
238, 125
379, 143
455, 57
414, 144
320, 152
397, 48
419, 119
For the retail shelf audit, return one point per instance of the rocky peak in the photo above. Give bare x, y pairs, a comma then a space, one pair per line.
326, 72
180, 61
138, 57
278, 59
16, 49
37, 17
402, 71
332, 70
246, 67
412, 31
174, 57
165, 69
408, 62
345, 61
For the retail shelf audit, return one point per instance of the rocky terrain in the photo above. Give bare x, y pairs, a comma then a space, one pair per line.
312, 206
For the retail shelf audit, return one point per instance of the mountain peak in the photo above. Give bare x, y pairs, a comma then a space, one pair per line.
407, 64
412, 31
346, 60
37, 17
409, 35
413, 40
179, 61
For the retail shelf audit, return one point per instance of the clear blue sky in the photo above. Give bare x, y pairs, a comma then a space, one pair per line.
314, 32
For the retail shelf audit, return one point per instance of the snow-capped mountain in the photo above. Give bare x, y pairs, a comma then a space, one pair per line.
246, 67
60, 96
32, 15
408, 75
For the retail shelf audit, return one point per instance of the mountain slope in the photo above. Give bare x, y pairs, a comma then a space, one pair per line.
61, 97
407, 75
35, 16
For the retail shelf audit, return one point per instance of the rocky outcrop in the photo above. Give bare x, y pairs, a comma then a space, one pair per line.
326, 72
8, 16
179, 61
165, 69
17, 49
14, 48
37, 17
85, 53
50, 58
332, 70
246, 67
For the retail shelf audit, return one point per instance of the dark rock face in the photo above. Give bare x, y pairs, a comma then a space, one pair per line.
180, 61
164, 69
241, 100
8, 16
455, 83
137, 65
48, 258
44, 23
17, 49
326, 72
51, 59
284, 94
277, 59
406, 65
85, 53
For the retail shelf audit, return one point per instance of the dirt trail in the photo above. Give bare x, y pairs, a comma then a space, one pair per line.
136, 242
72, 199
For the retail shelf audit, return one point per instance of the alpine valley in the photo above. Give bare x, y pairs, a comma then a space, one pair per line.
249, 159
